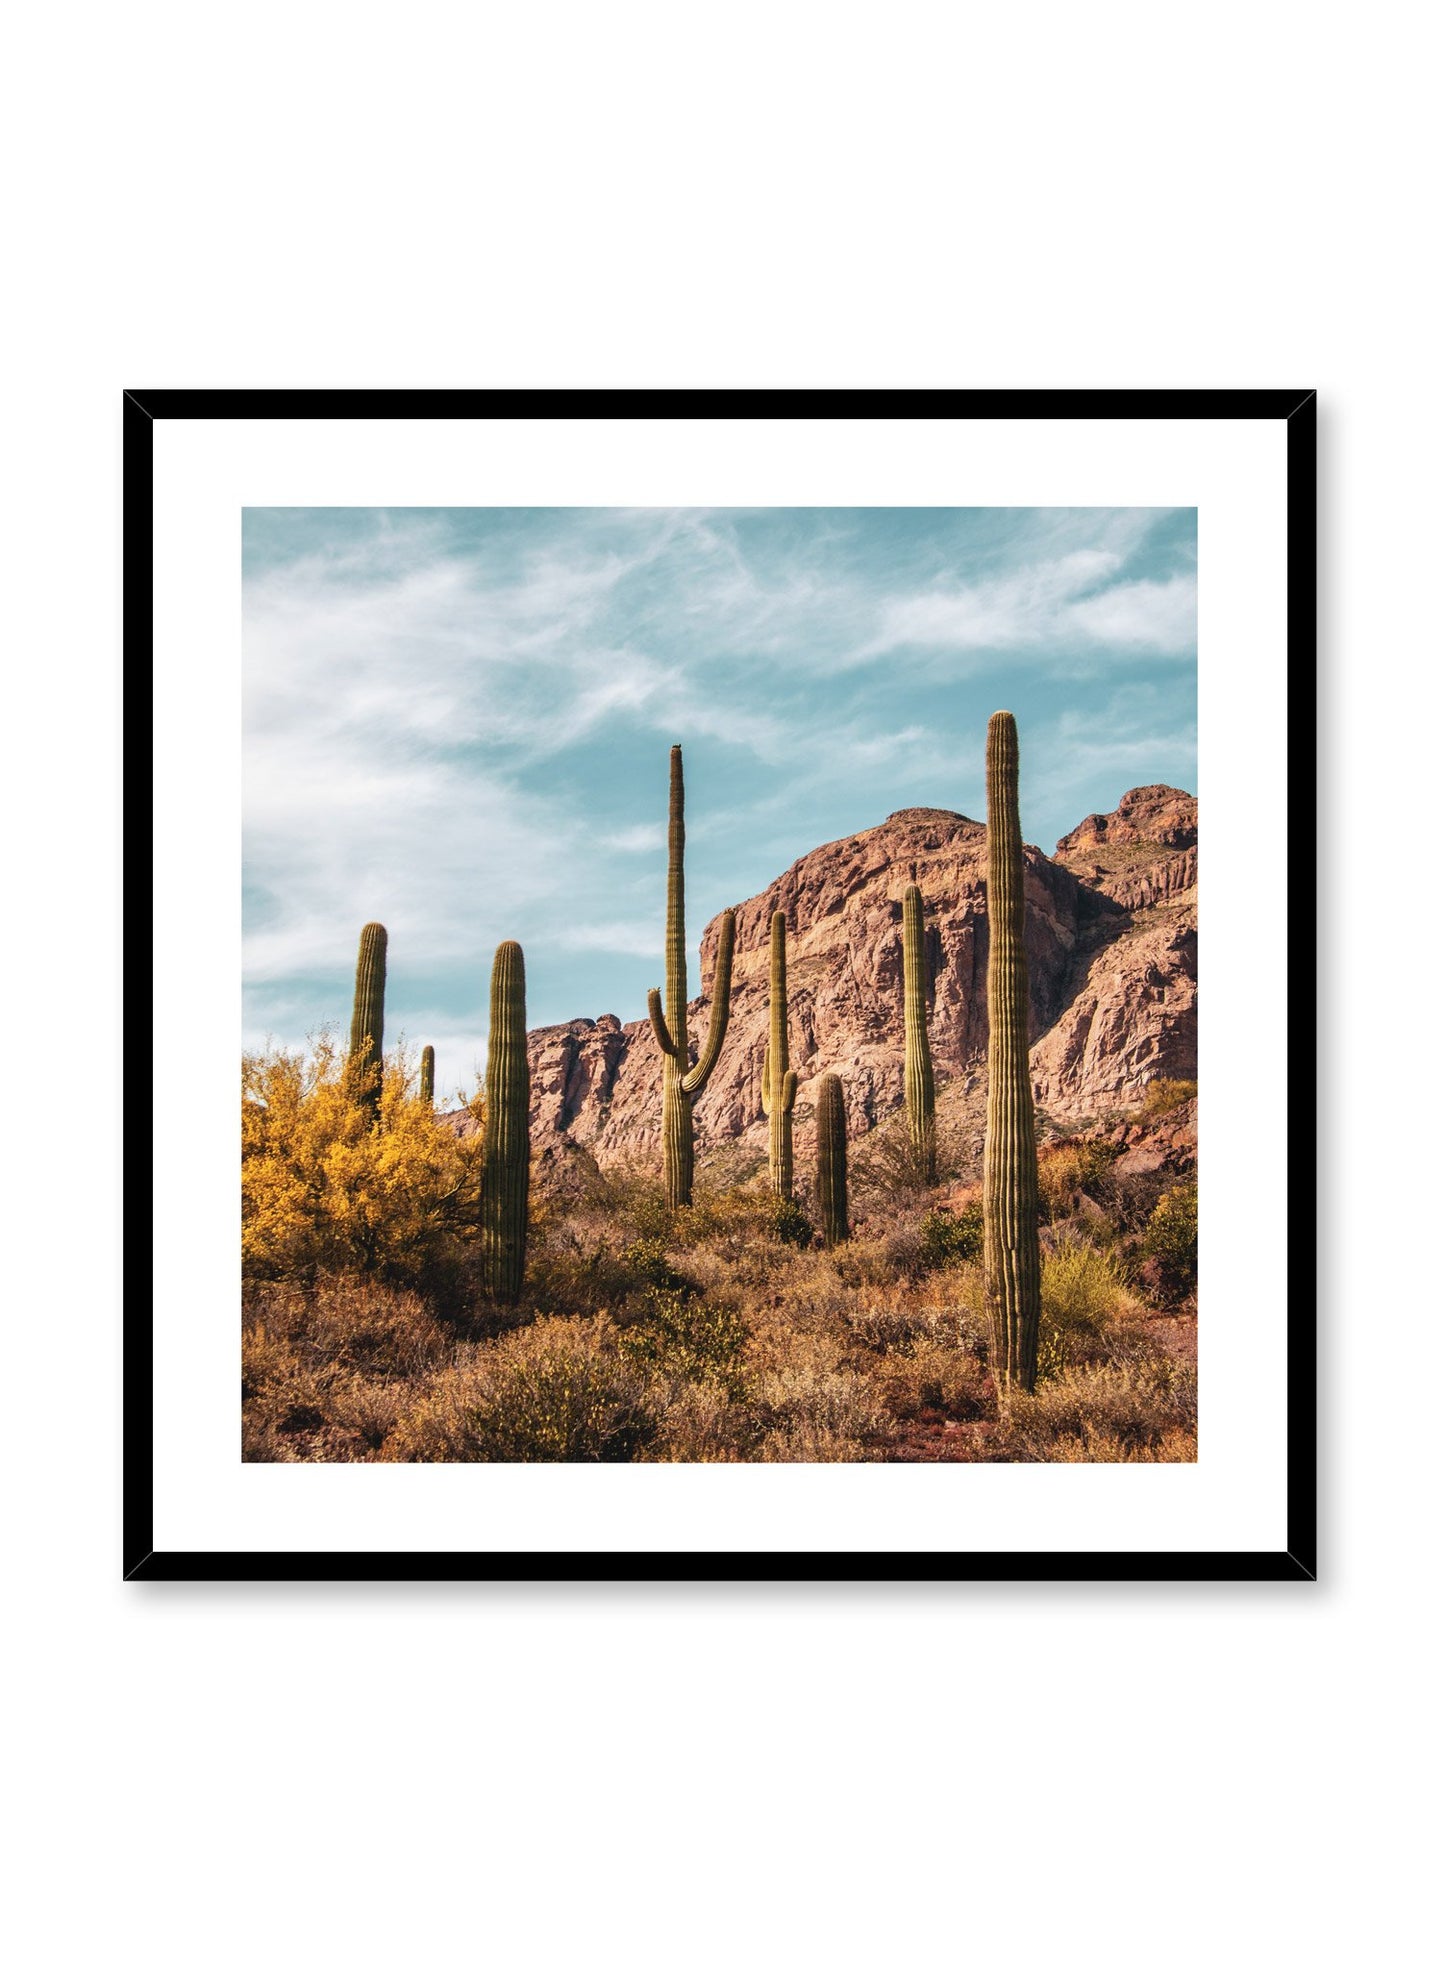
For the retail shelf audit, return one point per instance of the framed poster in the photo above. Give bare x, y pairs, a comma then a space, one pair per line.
739, 1077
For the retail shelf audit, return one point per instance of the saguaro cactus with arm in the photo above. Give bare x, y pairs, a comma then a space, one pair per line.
1010, 1160
780, 1086
507, 1156
367, 1019
680, 1082
917, 1059
832, 1160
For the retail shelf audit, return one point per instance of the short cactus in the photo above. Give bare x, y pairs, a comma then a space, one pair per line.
426, 1088
367, 1017
917, 1059
506, 1164
681, 1083
832, 1130
1010, 1160
780, 1085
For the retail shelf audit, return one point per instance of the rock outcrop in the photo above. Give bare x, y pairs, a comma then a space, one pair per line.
1143, 853
1111, 942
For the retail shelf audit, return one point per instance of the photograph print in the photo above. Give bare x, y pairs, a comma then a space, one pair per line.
719, 985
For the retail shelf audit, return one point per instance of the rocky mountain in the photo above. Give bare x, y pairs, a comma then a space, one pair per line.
1112, 928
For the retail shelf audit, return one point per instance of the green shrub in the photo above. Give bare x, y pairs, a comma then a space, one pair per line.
1163, 1096
646, 1258
1082, 1292
689, 1338
951, 1237
788, 1222
555, 1392
1171, 1244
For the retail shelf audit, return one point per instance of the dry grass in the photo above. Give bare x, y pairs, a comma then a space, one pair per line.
709, 1337
1140, 1413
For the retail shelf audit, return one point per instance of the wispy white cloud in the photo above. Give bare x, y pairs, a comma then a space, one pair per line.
1148, 615
639, 936
1132, 738
1059, 604
645, 838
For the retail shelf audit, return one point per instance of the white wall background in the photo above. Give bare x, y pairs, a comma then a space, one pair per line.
762, 194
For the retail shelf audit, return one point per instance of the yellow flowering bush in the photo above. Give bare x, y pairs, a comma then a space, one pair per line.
323, 1191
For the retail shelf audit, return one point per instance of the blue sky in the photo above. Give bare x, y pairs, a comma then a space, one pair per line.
457, 723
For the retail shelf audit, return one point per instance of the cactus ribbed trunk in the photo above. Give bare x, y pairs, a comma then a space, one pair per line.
917, 1059
506, 1165
1010, 1162
367, 1018
681, 1082
676, 1108
780, 1086
832, 1160
426, 1089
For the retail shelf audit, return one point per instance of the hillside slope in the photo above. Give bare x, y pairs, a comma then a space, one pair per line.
1112, 933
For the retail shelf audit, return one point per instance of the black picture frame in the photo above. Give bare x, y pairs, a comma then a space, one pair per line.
144, 1562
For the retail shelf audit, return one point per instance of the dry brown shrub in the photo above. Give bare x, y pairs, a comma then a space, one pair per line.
698, 1423
815, 1414
348, 1322
948, 1307
933, 1382
925, 1351
572, 1273
367, 1408
327, 1370
259, 1440
810, 1288
887, 1170
1141, 1413
267, 1359
885, 1258
555, 1392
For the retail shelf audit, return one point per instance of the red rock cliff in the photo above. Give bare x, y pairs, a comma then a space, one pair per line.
1111, 938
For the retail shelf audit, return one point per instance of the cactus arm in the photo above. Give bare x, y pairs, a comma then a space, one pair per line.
722, 983
659, 1025
767, 1079
790, 1090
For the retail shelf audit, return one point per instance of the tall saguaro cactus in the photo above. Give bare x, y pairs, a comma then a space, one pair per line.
917, 1059
506, 1161
681, 1083
832, 1160
367, 1016
780, 1085
426, 1089
1010, 1161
